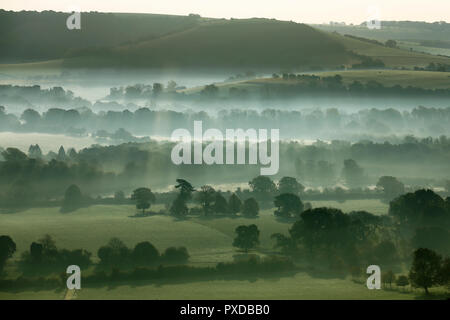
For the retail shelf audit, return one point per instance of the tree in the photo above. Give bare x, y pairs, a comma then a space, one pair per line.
290, 185
179, 207
73, 198
36, 252
391, 186
391, 44
186, 189
114, 253
250, 208
61, 154
157, 89
171, 85
402, 281
7, 249
247, 237
423, 207
263, 186
352, 173
206, 197
425, 269
288, 205
210, 91
326, 228
31, 117
388, 278
35, 152
220, 204
175, 255
144, 197
144, 253
234, 204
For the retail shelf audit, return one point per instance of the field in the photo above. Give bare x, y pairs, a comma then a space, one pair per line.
300, 286
209, 240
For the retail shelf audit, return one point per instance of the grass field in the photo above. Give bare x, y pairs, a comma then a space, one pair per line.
209, 240
389, 78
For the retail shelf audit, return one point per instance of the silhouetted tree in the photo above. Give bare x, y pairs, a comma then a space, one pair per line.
206, 197
250, 208
425, 269
352, 172
144, 253
290, 185
144, 197
402, 281
288, 205
7, 249
263, 186
234, 204
391, 186
247, 237
73, 198
175, 255
220, 204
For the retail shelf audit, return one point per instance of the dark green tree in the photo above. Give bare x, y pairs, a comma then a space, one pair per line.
7, 249
220, 204
425, 269
247, 237
206, 197
250, 208
288, 205
234, 204
73, 198
391, 186
144, 253
263, 186
144, 197
290, 185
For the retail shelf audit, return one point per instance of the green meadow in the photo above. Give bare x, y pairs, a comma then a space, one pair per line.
209, 241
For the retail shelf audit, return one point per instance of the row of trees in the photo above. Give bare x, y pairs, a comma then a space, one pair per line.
44, 256
322, 123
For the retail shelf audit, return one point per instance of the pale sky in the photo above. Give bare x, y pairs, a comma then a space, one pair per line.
311, 11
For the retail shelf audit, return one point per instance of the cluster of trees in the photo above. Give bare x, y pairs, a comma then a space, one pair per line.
310, 85
439, 67
212, 202
20, 96
142, 91
115, 253
418, 222
27, 179
44, 256
124, 125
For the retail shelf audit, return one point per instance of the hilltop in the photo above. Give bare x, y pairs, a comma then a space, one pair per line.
179, 42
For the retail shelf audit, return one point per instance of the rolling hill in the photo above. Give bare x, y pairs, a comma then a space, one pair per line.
187, 42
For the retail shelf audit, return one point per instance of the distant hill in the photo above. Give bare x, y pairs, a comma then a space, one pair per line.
253, 43
29, 35
179, 42
396, 30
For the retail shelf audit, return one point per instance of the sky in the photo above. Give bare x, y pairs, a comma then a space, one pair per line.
312, 11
